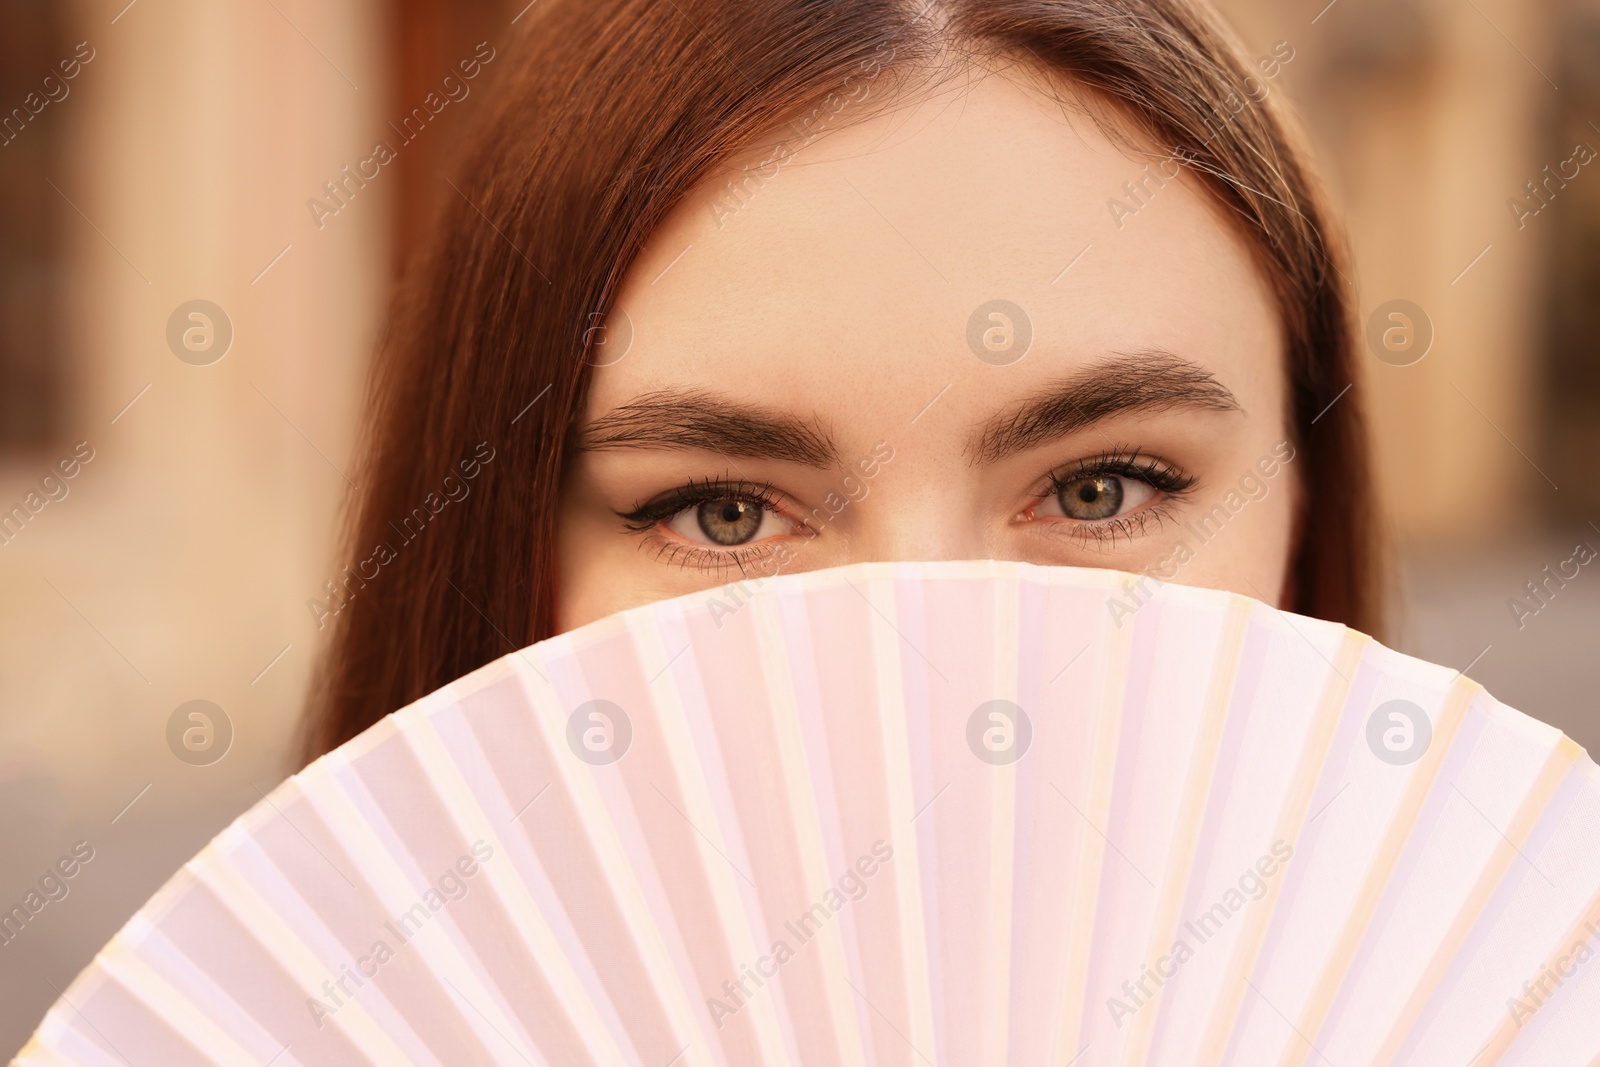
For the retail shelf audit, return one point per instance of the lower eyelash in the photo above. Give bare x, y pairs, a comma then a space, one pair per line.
686, 555
1106, 531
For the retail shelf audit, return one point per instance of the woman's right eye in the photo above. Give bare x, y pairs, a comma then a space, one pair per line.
1102, 496
727, 522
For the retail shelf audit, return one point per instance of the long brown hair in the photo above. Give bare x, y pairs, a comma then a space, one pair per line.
607, 113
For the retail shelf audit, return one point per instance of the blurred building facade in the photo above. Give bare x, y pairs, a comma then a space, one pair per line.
1462, 141
176, 564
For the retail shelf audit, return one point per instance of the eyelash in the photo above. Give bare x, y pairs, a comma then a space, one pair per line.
647, 516
1167, 479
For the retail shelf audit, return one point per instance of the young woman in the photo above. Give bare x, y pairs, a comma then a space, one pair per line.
731, 289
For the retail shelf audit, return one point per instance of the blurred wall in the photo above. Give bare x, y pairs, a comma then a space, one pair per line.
178, 564
1429, 119
1425, 119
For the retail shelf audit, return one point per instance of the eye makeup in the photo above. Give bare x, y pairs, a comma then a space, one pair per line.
715, 524
1117, 476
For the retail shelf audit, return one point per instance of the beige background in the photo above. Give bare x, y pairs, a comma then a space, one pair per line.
180, 563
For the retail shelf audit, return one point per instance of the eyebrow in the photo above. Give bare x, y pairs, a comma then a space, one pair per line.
1146, 381
674, 419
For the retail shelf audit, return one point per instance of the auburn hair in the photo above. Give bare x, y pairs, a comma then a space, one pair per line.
606, 114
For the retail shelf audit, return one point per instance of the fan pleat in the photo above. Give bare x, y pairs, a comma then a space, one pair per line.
890, 815
1237, 667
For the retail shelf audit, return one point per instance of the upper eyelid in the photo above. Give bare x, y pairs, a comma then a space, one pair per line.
692, 492
1116, 457
688, 495
1130, 463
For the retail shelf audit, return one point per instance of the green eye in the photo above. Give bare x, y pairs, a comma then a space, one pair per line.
1111, 488
1093, 498
729, 522
716, 512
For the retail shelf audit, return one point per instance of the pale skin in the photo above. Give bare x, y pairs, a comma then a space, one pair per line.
801, 361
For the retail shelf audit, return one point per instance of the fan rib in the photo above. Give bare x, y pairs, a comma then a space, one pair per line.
1308, 774
1333, 970
1560, 763
1085, 891
1198, 785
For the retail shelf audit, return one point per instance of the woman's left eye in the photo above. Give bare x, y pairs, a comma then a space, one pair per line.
1101, 496
727, 523
1110, 492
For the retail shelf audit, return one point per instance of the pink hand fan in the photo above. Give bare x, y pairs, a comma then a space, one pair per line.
897, 814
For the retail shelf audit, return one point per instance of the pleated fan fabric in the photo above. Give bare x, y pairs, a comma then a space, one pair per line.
901, 814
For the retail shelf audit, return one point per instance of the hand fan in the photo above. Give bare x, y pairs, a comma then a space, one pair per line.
912, 813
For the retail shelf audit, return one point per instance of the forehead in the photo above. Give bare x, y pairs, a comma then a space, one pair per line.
855, 278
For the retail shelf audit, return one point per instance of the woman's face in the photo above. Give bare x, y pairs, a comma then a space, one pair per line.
964, 328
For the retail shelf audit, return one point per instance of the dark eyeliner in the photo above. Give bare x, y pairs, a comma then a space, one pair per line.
1153, 472
648, 514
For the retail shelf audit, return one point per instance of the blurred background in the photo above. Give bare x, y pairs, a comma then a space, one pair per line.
178, 509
